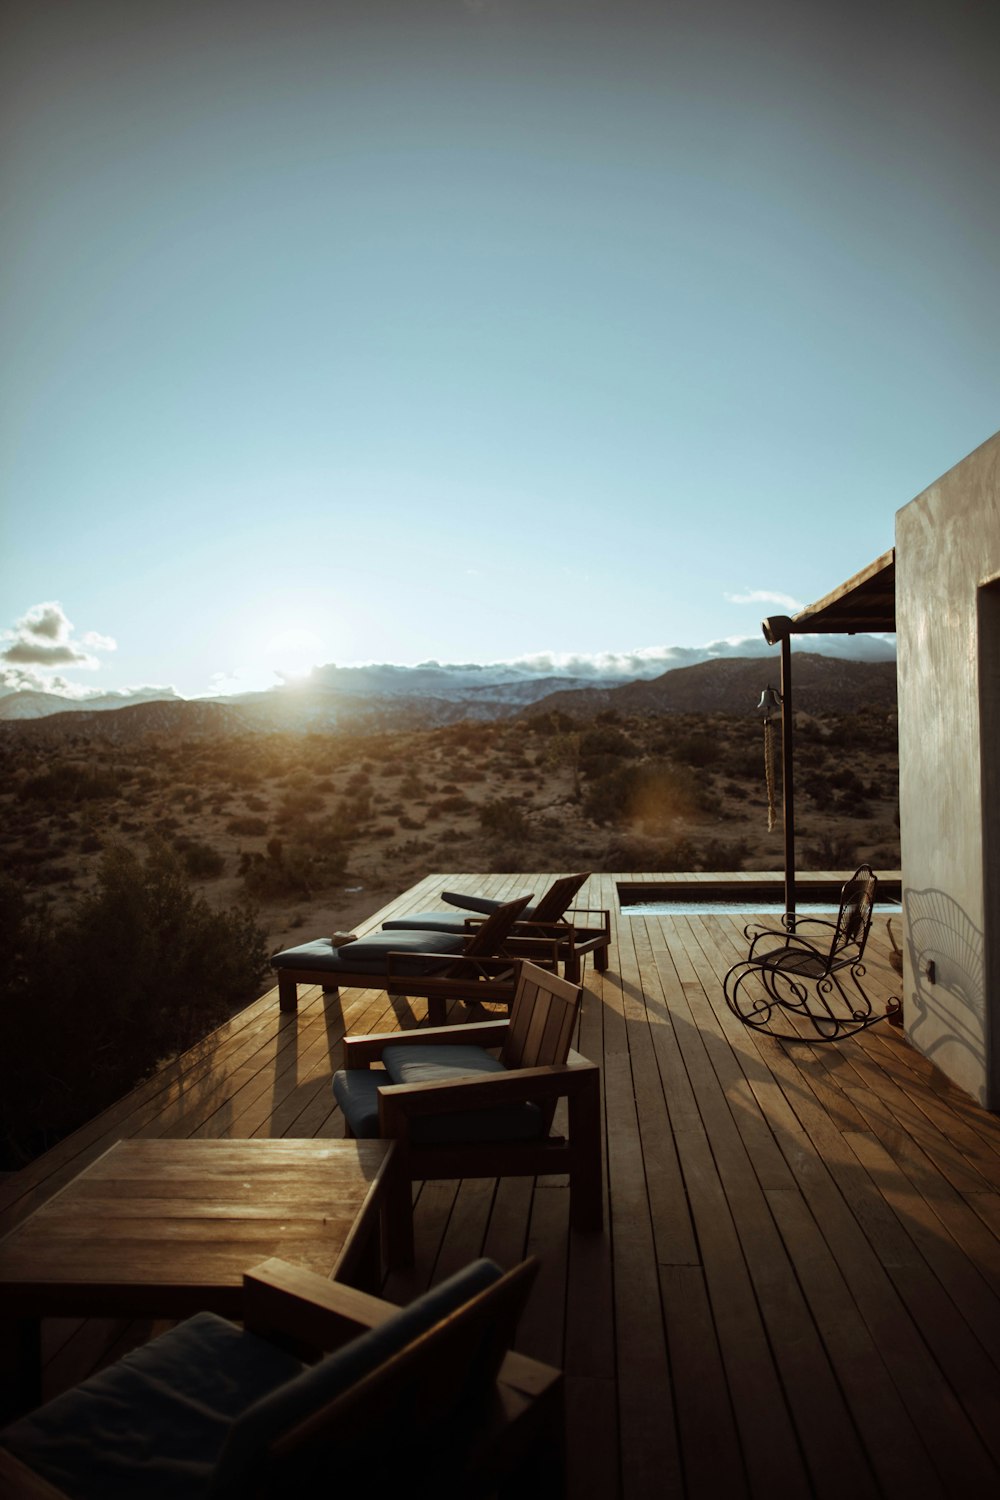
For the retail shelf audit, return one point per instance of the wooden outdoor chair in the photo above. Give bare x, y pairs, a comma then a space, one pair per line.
454, 1109
425, 1399
550, 918
475, 964
803, 971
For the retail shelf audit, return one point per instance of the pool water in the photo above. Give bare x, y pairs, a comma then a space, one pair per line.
737, 906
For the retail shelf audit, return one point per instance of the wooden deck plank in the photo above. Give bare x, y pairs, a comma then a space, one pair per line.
797, 1291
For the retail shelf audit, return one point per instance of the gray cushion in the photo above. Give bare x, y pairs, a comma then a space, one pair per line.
369, 955
189, 1416
430, 921
482, 904
356, 1091
318, 1384
152, 1425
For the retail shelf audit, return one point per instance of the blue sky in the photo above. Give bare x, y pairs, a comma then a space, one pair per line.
475, 329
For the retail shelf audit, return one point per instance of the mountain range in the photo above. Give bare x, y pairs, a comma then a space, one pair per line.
821, 684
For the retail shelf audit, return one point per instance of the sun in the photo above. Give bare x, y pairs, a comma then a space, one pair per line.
294, 652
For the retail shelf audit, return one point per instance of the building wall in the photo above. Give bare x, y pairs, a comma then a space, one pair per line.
948, 642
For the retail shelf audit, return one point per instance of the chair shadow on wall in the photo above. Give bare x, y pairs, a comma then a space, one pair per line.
939, 932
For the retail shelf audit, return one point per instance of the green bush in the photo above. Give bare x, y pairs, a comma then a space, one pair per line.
142, 969
504, 820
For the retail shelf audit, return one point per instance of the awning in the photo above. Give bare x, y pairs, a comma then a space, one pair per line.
866, 602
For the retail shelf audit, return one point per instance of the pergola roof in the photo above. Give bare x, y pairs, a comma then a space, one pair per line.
865, 602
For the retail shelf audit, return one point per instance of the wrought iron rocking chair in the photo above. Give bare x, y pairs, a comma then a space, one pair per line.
804, 974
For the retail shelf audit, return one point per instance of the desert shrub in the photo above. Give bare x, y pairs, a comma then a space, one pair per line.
200, 859
653, 794
831, 852
407, 822
66, 782
298, 801
504, 820
140, 970
296, 869
247, 827
453, 804
696, 749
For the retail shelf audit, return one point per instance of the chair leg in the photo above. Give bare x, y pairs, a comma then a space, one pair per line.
586, 1201
397, 1214
288, 991
601, 959
437, 1010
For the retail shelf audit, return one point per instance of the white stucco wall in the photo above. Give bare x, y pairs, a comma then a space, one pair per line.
947, 551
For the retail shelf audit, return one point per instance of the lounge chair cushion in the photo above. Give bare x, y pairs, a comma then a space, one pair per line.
369, 955
485, 905
432, 921
191, 1414
356, 1091
162, 1413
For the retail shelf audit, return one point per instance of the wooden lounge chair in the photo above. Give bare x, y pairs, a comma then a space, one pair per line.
456, 1110
802, 971
474, 964
424, 1399
550, 918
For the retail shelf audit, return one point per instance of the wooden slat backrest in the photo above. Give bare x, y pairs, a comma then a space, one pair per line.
416, 1396
542, 1019
489, 937
560, 893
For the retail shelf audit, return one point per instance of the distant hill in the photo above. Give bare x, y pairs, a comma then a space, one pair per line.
820, 684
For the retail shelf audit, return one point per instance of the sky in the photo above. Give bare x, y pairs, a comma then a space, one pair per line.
475, 330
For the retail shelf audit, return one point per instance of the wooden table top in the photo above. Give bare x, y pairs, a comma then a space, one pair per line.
169, 1226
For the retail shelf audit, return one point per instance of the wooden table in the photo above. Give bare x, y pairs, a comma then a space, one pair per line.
166, 1228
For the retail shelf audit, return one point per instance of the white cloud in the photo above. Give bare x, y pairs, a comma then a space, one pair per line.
766, 596
42, 641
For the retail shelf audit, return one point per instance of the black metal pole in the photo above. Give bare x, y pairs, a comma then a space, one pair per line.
787, 776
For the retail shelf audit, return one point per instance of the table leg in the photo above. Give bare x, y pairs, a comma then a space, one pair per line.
20, 1366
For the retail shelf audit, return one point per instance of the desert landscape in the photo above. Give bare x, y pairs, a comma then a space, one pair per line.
316, 831
150, 868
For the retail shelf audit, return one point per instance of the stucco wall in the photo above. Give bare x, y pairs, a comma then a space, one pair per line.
947, 551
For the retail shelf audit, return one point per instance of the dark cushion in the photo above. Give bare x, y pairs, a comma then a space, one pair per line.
369, 955
154, 1424
356, 1091
485, 905
430, 921
318, 1384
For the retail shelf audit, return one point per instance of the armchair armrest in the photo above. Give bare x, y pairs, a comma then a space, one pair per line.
289, 1305
459, 1095
361, 1051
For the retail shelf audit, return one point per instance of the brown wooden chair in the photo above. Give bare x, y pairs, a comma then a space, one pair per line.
474, 964
426, 1399
455, 1109
802, 970
549, 919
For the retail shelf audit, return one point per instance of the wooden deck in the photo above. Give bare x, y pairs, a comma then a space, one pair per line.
798, 1288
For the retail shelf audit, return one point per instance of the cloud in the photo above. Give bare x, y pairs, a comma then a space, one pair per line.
42, 639
766, 596
45, 620
99, 642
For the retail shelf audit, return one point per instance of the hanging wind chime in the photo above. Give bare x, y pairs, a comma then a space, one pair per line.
770, 702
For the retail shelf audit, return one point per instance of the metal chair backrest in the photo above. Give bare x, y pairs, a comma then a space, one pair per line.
857, 905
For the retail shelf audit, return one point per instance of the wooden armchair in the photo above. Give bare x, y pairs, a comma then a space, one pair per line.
802, 970
474, 964
455, 1109
425, 1398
